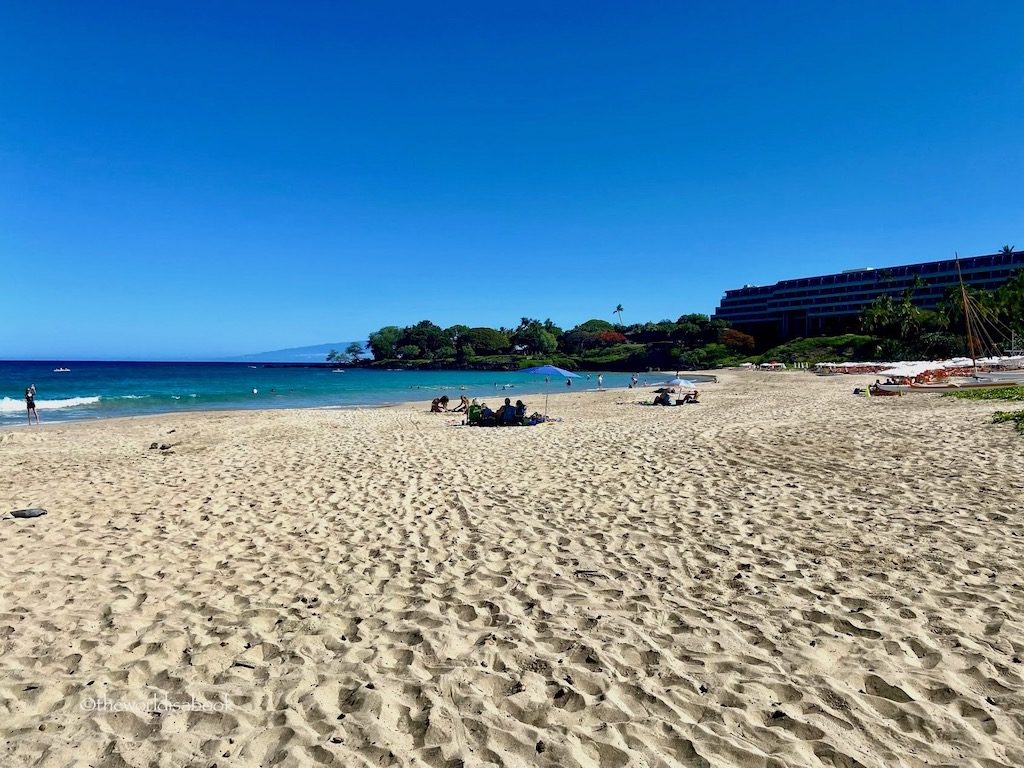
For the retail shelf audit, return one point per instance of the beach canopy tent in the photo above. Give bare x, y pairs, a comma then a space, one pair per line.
549, 371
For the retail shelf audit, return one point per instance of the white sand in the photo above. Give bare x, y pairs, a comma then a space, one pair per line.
784, 575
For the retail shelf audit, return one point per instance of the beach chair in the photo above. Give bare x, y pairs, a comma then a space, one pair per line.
508, 417
473, 415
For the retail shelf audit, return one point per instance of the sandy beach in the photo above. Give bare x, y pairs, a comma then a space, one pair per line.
784, 575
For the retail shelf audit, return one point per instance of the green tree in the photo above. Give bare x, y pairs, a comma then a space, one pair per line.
409, 352
534, 337
455, 333
430, 338
594, 326
486, 341
354, 351
618, 311
333, 356
384, 343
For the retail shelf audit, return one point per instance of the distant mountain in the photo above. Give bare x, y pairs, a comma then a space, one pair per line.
314, 354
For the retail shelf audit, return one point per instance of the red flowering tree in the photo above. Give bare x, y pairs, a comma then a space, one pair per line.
608, 338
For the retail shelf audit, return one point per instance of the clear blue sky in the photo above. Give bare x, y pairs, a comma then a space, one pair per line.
188, 180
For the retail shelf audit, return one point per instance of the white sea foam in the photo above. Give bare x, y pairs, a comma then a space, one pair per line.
9, 405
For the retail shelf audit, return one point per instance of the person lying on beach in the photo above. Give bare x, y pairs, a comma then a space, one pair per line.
691, 398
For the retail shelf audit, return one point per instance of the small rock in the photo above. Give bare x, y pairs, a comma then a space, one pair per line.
27, 514
540, 747
154, 446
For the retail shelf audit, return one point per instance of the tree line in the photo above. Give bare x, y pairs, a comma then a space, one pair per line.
690, 340
891, 328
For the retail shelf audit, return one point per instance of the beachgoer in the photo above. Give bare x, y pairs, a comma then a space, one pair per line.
520, 409
435, 405
443, 401
663, 399
463, 405
568, 382
505, 413
600, 381
30, 403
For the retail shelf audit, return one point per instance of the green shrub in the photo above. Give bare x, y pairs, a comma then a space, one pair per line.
998, 393
822, 349
1017, 417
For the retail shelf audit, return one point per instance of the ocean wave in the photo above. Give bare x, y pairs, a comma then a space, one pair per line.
9, 405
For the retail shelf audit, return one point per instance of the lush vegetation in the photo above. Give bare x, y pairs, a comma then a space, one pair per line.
999, 393
821, 349
906, 332
1017, 417
1015, 394
890, 329
691, 341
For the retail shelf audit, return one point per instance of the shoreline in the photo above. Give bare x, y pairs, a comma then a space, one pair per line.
499, 393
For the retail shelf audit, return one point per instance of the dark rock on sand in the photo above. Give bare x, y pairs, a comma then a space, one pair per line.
25, 514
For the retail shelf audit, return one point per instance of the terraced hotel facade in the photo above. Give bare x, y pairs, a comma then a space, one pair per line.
813, 306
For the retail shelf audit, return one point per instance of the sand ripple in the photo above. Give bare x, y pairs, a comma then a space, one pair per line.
782, 576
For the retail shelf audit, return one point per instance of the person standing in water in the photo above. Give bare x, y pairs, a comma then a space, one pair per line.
600, 381
30, 403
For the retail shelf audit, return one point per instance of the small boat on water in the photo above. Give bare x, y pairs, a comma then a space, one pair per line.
62, 370
338, 370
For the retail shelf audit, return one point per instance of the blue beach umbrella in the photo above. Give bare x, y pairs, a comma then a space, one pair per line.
550, 370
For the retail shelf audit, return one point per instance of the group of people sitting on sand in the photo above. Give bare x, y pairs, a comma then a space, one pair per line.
480, 415
507, 415
666, 398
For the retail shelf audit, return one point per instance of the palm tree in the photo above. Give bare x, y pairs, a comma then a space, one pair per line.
618, 311
1007, 250
333, 356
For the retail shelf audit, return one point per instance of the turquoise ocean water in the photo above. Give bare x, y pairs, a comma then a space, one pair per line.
106, 389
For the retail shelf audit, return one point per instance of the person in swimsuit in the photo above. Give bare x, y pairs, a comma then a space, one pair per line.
30, 403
